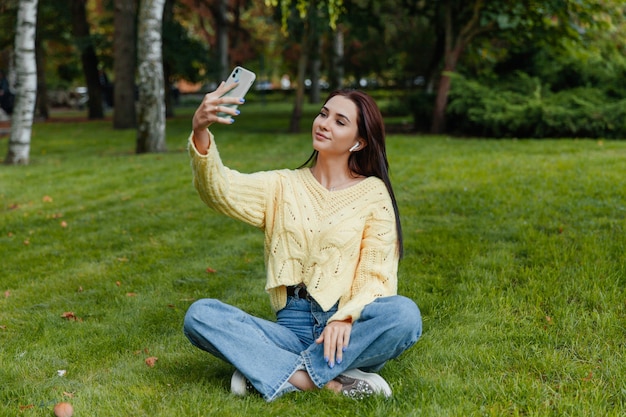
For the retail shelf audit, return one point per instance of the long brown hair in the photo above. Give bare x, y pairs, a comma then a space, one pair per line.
371, 160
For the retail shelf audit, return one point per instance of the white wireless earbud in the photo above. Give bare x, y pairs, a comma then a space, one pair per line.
355, 147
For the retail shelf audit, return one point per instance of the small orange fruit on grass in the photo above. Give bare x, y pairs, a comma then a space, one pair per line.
63, 410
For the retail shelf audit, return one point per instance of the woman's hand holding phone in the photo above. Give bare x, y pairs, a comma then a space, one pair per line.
214, 108
220, 106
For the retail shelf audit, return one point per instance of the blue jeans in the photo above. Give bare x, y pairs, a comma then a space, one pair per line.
268, 353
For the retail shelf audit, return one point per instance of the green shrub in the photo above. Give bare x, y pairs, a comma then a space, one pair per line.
529, 109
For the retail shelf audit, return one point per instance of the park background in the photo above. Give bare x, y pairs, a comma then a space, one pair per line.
513, 203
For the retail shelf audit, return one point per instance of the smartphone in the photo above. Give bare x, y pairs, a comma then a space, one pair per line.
245, 78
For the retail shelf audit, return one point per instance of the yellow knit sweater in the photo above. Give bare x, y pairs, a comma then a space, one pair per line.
340, 244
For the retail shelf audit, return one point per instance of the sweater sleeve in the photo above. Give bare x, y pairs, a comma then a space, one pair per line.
377, 270
237, 195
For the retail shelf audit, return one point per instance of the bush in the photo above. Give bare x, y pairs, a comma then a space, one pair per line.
531, 110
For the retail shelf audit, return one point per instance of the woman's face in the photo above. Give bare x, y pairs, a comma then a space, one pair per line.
335, 128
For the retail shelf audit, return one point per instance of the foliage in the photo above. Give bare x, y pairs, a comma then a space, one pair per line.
408, 42
333, 8
515, 253
530, 109
189, 58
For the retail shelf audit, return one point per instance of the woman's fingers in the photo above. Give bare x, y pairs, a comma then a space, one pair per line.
217, 108
335, 337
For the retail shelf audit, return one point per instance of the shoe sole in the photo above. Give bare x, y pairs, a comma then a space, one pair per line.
377, 382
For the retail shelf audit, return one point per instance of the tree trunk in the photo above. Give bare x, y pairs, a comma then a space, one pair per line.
316, 64
124, 113
151, 129
168, 18
454, 46
303, 61
221, 19
296, 115
88, 58
337, 65
42, 106
26, 86
441, 101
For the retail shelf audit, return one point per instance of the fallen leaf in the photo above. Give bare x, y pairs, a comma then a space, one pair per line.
69, 315
63, 224
47, 199
151, 361
10, 234
3, 327
131, 294
7, 294
27, 242
211, 270
68, 394
118, 283
14, 206
26, 407
549, 319
80, 289
588, 377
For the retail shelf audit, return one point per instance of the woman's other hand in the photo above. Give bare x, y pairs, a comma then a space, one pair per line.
336, 337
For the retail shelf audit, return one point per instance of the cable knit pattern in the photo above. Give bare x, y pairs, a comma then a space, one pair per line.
340, 244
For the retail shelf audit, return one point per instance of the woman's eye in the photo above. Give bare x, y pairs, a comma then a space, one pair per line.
340, 123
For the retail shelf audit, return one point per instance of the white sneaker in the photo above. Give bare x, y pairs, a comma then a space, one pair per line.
358, 384
239, 385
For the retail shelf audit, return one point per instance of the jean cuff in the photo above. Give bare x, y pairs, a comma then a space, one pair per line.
287, 386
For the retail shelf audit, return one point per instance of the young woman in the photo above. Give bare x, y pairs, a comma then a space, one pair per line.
332, 245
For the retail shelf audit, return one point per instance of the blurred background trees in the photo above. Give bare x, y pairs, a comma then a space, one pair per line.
503, 68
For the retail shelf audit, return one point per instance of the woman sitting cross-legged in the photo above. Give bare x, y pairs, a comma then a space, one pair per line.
333, 241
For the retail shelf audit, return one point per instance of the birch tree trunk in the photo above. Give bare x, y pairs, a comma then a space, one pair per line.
26, 85
151, 128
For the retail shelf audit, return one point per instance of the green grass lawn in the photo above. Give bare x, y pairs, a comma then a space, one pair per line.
515, 253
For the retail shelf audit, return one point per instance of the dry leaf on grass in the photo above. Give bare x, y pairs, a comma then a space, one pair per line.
151, 361
69, 315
